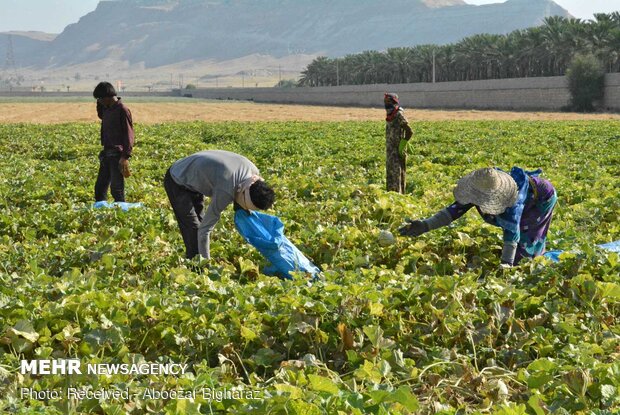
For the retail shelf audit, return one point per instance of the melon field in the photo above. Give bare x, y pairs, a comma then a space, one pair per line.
431, 325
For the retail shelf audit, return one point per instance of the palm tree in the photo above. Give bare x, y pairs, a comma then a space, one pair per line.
601, 33
546, 50
398, 60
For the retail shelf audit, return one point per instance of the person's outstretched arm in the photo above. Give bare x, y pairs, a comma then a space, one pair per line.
442, 218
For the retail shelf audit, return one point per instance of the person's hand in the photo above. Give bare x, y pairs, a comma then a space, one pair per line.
414, 228
402, 147
504, 266
123, 165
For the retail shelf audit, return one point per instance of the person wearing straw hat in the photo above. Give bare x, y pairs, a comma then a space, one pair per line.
397, 136
519, 202
223, 176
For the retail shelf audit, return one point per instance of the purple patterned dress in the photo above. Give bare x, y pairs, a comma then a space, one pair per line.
531, 234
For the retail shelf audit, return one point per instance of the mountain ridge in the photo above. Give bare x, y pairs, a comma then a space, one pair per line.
163, 32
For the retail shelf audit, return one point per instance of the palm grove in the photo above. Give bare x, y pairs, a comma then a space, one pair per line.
547, 50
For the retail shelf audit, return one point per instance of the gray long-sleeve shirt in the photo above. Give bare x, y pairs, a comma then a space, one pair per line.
216, 174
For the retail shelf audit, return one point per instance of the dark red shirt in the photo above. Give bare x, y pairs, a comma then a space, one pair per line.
116, 128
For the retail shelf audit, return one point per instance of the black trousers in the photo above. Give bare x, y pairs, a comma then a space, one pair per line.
188, 208
110, 176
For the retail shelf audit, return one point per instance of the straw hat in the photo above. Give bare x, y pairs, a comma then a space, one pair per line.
492, 190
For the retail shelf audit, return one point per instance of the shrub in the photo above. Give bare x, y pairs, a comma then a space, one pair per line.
586, 81
287, 83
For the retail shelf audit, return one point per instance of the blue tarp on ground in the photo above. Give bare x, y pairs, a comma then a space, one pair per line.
122, 205
266, 234
611, 247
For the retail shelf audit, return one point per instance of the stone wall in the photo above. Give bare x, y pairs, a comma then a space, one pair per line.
548, 94
612, 92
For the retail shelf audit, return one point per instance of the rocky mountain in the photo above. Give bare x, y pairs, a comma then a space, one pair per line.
163, 32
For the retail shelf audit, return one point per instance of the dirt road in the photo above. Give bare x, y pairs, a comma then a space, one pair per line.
160, 112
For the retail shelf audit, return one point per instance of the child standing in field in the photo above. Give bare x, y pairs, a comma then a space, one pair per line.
397, 134
117, 139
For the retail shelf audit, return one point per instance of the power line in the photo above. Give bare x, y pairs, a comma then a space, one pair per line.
9, 64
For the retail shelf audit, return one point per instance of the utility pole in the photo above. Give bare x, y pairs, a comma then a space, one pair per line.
280, 75
337, 73
434, 70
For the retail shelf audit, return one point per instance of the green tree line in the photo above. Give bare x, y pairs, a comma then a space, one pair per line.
546, 50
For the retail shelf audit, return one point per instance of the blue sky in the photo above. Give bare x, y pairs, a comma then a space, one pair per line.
43, 15
53, 15
578, 8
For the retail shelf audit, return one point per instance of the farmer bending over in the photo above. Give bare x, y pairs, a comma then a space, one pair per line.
223, 176
520, 203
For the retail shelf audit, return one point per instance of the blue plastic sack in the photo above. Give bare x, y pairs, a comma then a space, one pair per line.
266, 234
611, 247
123, 205
553, 255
